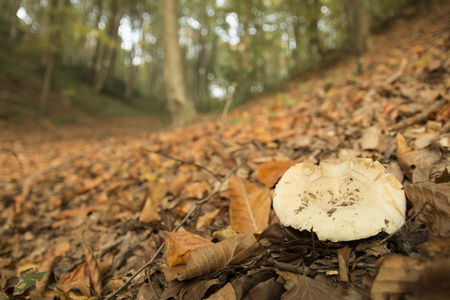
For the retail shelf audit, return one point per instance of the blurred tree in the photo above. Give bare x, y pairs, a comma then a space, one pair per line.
180, 104
52, 50
358, 26
105, 58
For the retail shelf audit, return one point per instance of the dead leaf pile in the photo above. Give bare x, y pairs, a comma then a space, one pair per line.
92, 213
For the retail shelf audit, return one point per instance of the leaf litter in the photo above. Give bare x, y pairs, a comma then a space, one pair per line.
97, 214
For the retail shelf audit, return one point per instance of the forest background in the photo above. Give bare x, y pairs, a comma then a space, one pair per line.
64, 58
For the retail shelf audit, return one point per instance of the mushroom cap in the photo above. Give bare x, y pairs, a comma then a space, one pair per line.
340, 202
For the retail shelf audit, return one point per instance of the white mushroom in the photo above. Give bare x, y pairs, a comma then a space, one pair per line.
340, 202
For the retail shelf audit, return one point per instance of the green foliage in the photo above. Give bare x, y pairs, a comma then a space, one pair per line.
258, 44
27, 279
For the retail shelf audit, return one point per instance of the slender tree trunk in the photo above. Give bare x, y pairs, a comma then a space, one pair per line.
315, 46
179, 102
14, 29
50, 56
130, 77
358, 27
106, 59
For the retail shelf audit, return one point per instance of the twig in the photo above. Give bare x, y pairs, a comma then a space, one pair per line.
399, 72
228, 103
216, 190
183, 162
404, 225
419, 117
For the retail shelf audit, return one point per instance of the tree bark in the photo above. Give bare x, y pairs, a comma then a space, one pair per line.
14, 29
50, 56
358, 27
107, 57
179, 103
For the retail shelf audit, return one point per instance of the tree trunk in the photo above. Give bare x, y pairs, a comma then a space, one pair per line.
50, 56
180, 105
14, 29
358, 27
108, 56
315, 47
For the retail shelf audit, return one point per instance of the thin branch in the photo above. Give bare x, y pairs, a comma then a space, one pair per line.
228, 103
185, 219
183, 162
404, 225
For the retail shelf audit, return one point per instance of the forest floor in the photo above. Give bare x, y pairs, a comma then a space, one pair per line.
92, 204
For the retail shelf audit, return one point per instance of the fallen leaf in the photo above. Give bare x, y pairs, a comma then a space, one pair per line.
397, 275
76, 279
436, 214
225, 293
206, 219
149, 212
249, 206
268, 289
406, 157
270, 172
76, 212
47, 267
180, 244
198, 190
370, 138
178, 183
225, 233
301, 287
434, 281
157, 189
343, 260
209, 259
94, 274
435, 246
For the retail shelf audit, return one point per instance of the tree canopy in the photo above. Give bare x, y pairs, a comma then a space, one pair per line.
117, 46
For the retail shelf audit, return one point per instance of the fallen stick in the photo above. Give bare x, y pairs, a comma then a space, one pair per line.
417, 117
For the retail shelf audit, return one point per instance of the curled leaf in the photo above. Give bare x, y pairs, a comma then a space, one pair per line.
405, 155
436, 214
209, 259
180, 244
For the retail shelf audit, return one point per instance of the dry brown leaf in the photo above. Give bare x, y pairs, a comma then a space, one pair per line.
198, 190
436, 246
149, 212
343, 260
370, 138
397, 275
225, 293
218, 149
47, 266
206, 219
301, 287
249, 206
76, 212
406, 157
95, 277
270, 172
209, 259
224, 233
180, 244
157, 189
434, 281
436, 214
76, 279
178, 183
